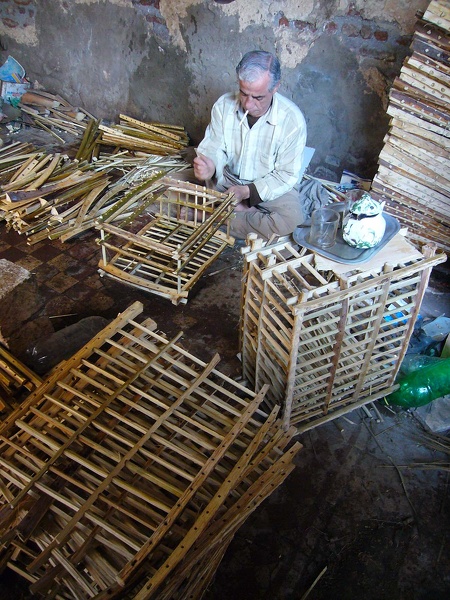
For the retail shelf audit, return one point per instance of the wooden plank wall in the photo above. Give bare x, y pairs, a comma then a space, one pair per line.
414, 167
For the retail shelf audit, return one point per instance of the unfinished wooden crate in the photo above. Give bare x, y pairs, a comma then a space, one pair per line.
16, 380
414, 164
174, 247
128, 471
326, 341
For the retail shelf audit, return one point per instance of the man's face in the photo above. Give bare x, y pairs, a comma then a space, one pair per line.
255, 97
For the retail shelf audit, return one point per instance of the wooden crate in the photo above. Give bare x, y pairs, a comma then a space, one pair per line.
171, 251
326, 340
128, 471
16, 380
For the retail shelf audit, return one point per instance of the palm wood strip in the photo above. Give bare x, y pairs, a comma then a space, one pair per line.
412, 177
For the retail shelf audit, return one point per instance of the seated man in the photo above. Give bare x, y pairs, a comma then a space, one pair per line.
254, 147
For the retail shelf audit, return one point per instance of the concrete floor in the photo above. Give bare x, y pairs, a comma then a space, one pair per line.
355, 511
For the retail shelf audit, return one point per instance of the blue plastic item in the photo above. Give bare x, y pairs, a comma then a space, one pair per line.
12, 71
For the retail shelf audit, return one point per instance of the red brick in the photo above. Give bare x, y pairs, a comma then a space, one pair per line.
154, 19
366, 32
9, 22
404, 40
387, 57
352, 10
381, 36
304, 26
350, 30
331, 27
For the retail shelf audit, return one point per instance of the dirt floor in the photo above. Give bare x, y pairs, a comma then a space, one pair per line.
365, 515
354, 513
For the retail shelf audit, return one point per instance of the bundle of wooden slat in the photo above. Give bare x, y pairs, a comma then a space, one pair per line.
50, 196
12, 157
414, 165
175, 245
89, 147
132, 193
52, 112
16, 380
328, 341
46, 191
128, 471
140, 136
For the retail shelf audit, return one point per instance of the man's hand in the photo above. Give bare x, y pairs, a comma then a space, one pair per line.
204, 168
241, 192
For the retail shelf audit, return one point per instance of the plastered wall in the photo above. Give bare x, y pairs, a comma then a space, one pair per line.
168, 60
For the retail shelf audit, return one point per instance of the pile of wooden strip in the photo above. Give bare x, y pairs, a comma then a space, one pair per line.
51, 112
46, 191
49, 196
327, 342
164, 142
16, 380
128, 471
139, 136
89, 148
414, 166
12, 157
175, 245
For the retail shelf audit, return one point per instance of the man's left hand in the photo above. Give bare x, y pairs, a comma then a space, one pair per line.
241, 192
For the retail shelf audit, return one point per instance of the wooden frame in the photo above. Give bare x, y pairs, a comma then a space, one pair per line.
176, 245
16, 380
326, 342
128, 471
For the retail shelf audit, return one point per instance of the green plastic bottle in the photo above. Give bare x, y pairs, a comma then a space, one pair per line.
422, 386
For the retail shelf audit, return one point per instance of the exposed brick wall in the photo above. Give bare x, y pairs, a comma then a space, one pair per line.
362, 35
169, 60
17, 13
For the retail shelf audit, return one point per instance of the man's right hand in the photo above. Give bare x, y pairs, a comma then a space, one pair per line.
204, 168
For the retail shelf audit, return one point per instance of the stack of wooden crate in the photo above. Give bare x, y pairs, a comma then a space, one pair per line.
328, 337
128, 471
175, 245
414, 165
